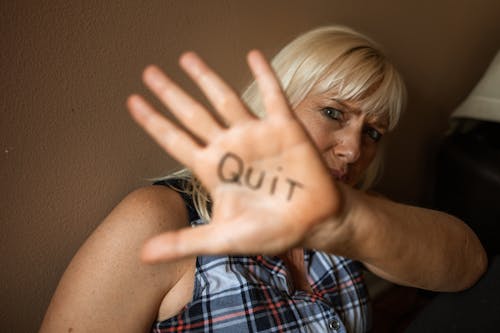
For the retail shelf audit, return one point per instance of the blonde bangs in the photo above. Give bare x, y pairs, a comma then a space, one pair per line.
365, 76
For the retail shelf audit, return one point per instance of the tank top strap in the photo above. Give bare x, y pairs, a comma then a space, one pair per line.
179, 185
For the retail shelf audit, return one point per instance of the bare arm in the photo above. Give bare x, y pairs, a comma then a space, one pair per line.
404, 244
106, 286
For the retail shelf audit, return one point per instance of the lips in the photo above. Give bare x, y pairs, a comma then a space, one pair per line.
339, 175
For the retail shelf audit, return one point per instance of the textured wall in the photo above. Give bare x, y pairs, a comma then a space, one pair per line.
69, 151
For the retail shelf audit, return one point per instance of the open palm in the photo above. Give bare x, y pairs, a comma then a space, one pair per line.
266, 179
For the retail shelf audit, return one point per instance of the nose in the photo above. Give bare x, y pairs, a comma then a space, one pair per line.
347, 146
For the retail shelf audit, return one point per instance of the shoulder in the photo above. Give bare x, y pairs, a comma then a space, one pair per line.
107, 273
142, 214
155, 207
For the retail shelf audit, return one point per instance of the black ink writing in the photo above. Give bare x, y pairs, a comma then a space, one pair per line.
274, 181
231, 169
293, 184
248, 175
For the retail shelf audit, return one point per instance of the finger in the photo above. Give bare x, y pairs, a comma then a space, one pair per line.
273, 97
185, 243
179, 144
227, 103
187, 110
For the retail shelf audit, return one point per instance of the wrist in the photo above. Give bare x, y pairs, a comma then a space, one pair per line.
335, 233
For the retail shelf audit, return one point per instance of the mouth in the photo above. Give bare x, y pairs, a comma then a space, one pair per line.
340, 176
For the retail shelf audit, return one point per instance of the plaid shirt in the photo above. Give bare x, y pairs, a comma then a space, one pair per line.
255, 294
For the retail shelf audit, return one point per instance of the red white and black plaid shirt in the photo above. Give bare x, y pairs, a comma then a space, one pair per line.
255, 294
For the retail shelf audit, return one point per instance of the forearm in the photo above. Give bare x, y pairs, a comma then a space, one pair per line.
404, 244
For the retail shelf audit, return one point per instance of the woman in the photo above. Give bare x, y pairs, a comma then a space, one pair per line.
284, 194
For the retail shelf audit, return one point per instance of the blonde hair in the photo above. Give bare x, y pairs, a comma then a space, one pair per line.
332, 58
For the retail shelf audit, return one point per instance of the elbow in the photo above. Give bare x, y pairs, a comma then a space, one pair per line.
467, 264
476, 267
480, 267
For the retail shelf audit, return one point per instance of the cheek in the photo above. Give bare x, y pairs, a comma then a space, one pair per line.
367, 158
316, 131
369, 154
316, 137
363, 163
321, 138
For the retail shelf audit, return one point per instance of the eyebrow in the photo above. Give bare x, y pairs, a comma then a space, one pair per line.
350, 108
378, 122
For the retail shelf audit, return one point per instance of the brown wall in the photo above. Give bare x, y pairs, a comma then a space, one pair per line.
69, 151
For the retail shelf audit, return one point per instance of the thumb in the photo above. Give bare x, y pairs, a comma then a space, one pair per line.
175, 245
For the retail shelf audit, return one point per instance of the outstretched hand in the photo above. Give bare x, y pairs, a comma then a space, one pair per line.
268, 183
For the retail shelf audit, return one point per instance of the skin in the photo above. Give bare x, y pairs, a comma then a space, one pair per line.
345, 136
404, 244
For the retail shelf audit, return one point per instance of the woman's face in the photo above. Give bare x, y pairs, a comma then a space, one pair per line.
347, 138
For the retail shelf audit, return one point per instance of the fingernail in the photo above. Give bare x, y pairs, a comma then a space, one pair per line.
188, 58
135, 104
155, 250
153, 76
148, 254
190, 62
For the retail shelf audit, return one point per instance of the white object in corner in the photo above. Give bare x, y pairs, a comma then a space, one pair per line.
483, 103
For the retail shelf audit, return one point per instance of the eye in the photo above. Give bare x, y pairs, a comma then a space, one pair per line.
333, 113
373, 134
